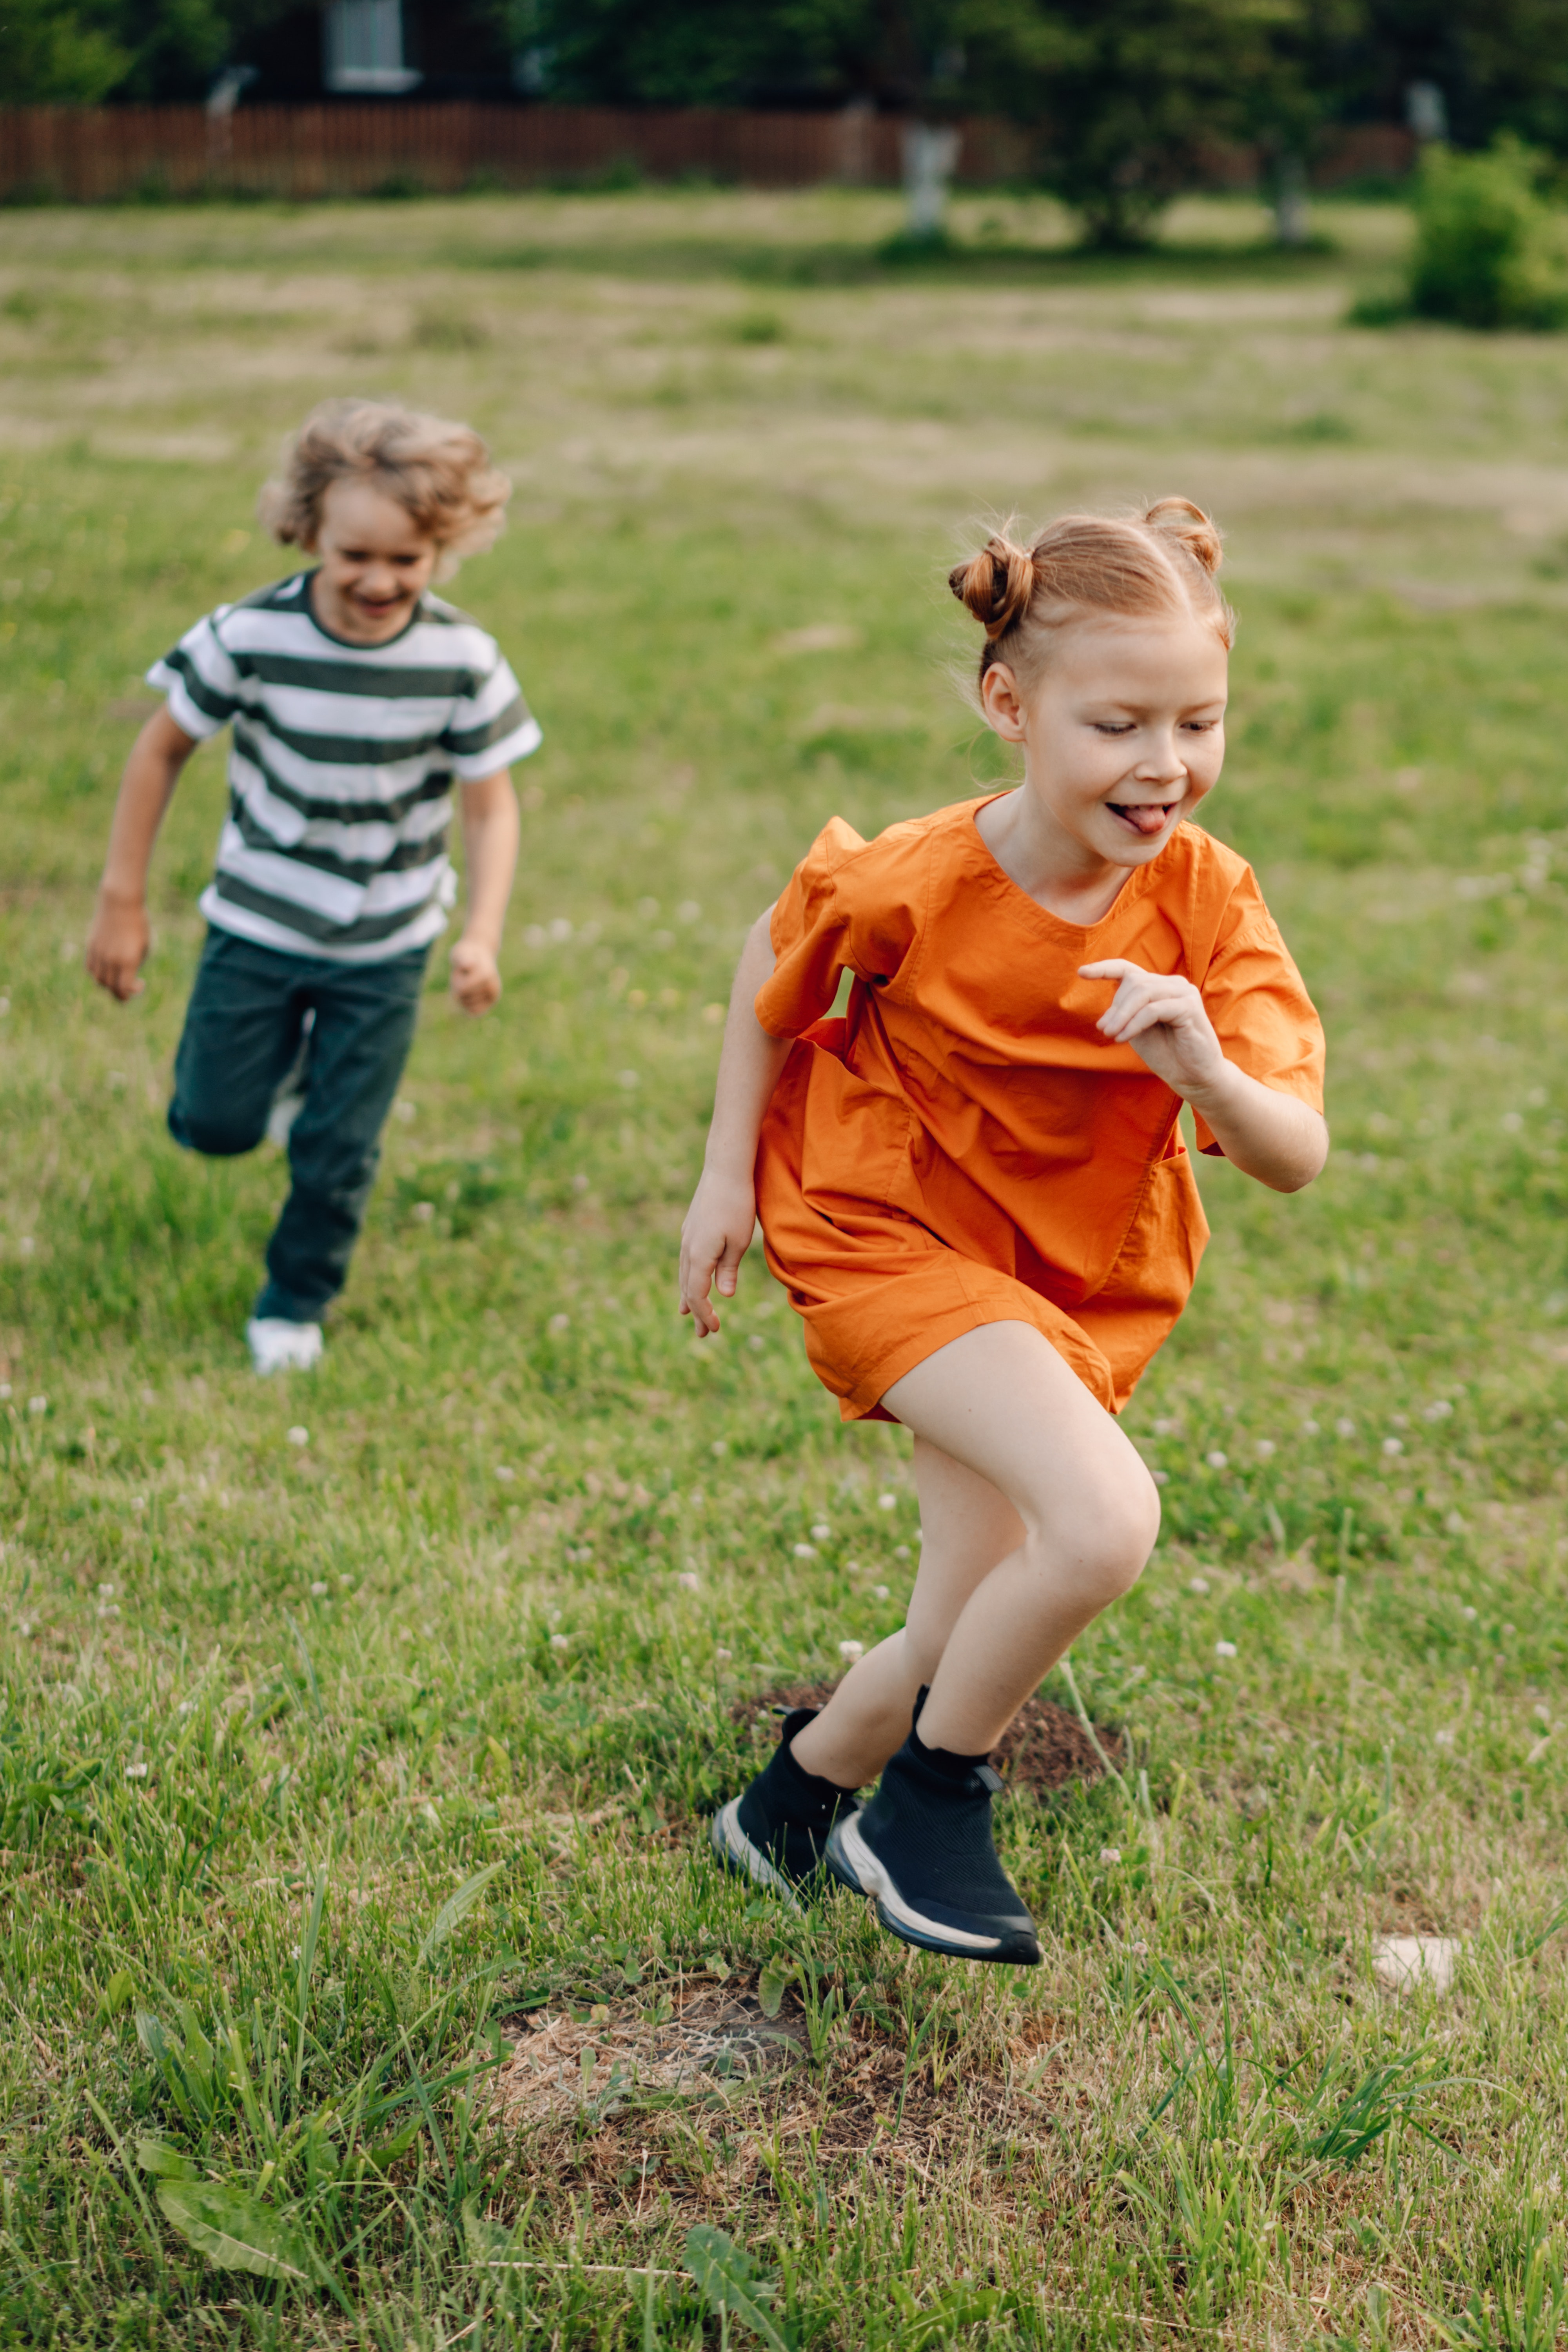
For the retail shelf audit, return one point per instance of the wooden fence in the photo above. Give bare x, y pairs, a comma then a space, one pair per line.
105, 154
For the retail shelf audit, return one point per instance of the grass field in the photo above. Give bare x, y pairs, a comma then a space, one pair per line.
353, 1723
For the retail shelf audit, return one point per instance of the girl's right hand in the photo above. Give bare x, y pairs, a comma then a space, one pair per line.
713, 1240
117, 945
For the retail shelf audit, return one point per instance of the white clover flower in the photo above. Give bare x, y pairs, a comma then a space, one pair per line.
1344, 1426
1265, 1449
687, 1579
136, 1771
1161, 1478
1444, 1738
1197, 1584
821, 1531
721, 1657
318, 1590
560, 929
850, 1651
423, 1212
887, 1502
901, 1551
1454, 1525
805, 1551
1110, 1855
107, 1590
24, 1628
1393, 1445
559, 1323
1438, 1410
1470, 1615
1309, 1429
187, 1706
628, 1078
1216, 1460
5, 1391
558, 1641
1542, 1712
37, 1404
879, 1592
1164, 1427
298, 1434
1224, 1649
505, 1473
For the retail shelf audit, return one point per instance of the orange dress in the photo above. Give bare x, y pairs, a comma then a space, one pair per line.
963, 1145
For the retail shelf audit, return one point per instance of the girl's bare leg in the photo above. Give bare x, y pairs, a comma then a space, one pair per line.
1037, 1514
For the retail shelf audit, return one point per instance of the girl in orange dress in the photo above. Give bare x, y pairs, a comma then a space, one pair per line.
974, 1187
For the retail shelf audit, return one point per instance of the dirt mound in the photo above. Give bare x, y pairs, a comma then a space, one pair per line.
1042, 1749
563, 2066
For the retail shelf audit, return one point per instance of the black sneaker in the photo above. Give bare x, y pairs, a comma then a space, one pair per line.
922, 1847
777, 1831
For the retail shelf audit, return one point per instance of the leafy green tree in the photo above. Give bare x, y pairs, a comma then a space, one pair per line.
1127, 93
693, 52
54, 55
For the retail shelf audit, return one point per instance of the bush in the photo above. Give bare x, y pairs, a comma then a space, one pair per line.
1490, 251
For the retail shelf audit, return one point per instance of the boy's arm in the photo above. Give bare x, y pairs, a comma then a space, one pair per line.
491, 830
118, 940
1274, 1137
719, 1224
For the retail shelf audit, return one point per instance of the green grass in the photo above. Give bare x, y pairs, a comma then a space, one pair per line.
324, 1763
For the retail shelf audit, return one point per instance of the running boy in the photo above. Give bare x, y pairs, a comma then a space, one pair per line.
975, 1188
356, 696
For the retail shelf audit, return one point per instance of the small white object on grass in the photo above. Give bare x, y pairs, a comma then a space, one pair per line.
1224, 1649
298, 1434
687, 1579
821, 1531
317, 1592
1393, 1445
887, 1502
505, 1473
721, 1657
558, 1641
1344, 1427
37, 1404
879, 1592
1438, 1410
1400, 1962
559, 1323
851, 1651
1197, 1584
278, 1346
1110, 1854
805, 1551
136, 1771
1264, 1449
1216, 1460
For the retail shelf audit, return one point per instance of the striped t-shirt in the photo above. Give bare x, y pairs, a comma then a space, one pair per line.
340, 770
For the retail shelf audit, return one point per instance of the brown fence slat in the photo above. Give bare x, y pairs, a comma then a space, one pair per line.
103, 154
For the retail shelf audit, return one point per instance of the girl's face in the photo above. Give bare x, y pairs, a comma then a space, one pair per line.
375, 563
1123, 734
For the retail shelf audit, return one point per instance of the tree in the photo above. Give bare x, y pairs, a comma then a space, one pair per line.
75, 52
51, 56
1128, 94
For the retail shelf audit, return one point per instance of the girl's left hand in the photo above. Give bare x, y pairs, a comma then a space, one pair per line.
476, 981
1161, 1017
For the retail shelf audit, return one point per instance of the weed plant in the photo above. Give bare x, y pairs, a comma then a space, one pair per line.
351, 1723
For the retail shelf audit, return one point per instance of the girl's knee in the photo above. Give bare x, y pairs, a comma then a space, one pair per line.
1113, 1530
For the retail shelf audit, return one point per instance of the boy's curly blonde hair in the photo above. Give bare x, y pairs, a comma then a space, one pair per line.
439, 473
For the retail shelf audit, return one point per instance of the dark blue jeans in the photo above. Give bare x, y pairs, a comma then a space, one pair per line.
242, 1034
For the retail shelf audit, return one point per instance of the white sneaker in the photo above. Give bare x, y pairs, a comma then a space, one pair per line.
277, 1346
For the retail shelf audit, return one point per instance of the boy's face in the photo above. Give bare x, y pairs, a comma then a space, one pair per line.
375, 563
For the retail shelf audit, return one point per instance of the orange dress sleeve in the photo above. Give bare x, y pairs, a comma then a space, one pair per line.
827, 922
1265, 1021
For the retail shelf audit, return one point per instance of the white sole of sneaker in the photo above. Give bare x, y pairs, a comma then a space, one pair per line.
849, 1847
735, 1850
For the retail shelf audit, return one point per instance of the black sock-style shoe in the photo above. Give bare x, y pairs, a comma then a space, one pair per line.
777, 1831
922, 1847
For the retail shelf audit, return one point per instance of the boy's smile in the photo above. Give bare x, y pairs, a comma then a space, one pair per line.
375, 564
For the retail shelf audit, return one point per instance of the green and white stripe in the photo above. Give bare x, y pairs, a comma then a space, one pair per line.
343, 762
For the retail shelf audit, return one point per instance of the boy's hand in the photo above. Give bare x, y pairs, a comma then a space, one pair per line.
117, 944
1161, 1017
476, 980
713, 1240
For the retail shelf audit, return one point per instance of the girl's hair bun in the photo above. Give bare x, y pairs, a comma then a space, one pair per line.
997, 586
1180, 519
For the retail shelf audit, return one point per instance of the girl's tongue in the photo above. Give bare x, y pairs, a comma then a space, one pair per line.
1143, 816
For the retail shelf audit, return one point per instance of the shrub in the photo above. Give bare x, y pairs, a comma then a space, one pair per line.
1490, 251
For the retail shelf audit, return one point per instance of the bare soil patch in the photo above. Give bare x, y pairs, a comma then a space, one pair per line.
1042, 1749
